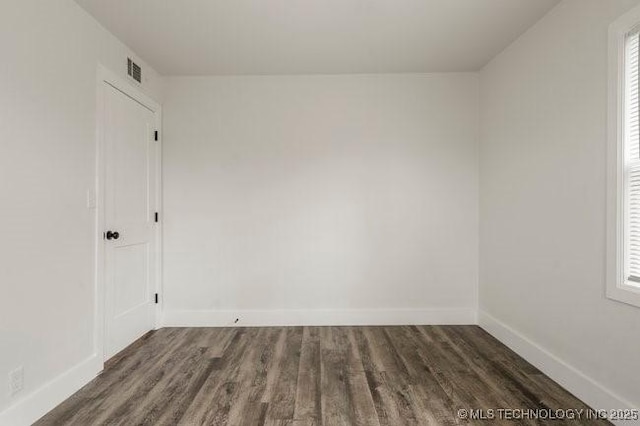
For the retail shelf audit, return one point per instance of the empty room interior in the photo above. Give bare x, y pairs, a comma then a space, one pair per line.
319, 212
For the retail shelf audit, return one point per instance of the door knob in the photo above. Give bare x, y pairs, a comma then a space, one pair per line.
112, 235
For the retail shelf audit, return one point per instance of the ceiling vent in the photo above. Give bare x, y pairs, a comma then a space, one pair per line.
134, 70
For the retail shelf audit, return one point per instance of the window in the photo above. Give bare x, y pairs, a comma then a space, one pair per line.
631, 178
623, 209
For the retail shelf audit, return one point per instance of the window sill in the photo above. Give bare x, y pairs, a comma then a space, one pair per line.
625, 294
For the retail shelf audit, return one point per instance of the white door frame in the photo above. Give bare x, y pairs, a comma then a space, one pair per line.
105, 76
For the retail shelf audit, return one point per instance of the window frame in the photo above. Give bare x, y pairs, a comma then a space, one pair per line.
616, 282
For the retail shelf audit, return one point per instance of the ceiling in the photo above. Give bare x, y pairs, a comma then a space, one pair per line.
206, 37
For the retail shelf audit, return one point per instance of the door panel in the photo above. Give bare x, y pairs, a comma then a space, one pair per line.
130, 280
129, 153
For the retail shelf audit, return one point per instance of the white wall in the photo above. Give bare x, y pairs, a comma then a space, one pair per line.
50, 51
542, 220
339, 193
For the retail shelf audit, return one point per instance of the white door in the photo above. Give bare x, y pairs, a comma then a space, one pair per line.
129, 218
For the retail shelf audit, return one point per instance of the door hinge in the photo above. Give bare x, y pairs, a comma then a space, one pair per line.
156, 217
156, 298
155, 135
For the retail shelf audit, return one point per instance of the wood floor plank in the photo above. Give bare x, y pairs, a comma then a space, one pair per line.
283, 392
222, 390
362, 408
450, 370
311, 376
146, 399
249, 409
388, 388
334, 397
307, 403
501, 372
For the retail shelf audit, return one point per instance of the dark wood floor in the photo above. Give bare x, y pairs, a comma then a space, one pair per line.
414, 375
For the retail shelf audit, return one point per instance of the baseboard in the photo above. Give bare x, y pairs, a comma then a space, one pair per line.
38, 403
575, 381
272, 318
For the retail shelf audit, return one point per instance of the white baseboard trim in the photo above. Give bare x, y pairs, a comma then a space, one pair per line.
38, 403
273, 318
575, 381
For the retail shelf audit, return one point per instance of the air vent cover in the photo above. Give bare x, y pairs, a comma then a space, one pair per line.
134, 70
